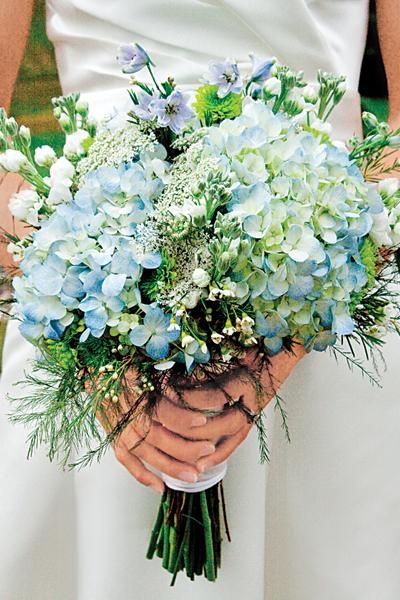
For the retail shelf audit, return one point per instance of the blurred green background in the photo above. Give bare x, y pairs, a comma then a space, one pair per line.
38, 82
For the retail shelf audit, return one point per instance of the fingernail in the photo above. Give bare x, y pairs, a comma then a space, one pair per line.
207, 450
188, 476
199, 420
158, 487
202, 467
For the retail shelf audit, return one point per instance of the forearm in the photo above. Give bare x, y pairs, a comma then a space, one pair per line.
15, 19
388, 17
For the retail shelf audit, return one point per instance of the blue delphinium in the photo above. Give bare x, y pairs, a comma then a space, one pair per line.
173, 111
144, 109
132, 58
155, 333
226, 76
261, 69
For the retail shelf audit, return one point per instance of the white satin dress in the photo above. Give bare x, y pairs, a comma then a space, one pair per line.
327, 525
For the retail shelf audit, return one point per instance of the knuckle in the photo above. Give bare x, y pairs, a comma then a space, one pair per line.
120, 454
142, 478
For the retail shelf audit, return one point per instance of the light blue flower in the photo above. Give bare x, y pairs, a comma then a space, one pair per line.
154, 333
321, 341
132, 58
226, 76
46, 280
113, 284
173, 111
193, 354
342, 323
273, 328
96, 320
261, 68
145, 107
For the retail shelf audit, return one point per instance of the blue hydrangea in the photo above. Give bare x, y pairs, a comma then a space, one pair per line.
85, 260
155, 333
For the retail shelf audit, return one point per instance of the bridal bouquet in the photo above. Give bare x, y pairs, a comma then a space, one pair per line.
167, 243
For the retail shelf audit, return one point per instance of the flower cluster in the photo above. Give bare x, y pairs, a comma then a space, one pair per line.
84, 260
194, 230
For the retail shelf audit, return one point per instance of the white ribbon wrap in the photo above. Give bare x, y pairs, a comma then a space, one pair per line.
206, 480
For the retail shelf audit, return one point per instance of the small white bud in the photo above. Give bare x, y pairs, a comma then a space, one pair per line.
273, 86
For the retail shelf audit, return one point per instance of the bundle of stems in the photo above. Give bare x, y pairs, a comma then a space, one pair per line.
187, 532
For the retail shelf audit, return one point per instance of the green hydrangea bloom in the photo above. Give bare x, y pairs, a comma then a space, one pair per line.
210, 108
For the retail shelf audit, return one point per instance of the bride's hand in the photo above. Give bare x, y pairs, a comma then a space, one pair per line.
183, 443
159, 443
228, 430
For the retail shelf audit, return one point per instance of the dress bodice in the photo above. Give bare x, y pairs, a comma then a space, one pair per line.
183, 36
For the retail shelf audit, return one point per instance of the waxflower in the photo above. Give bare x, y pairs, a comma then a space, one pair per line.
132, 58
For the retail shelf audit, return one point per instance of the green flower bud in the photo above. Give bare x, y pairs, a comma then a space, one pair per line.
224, 262
11, 126
65, 123
25, 135
3, 143
369, 120
82, 108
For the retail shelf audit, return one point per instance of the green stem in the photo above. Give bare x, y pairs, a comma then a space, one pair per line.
208, 538
156, 531
184, 547
173, 548
165, 559
155, 81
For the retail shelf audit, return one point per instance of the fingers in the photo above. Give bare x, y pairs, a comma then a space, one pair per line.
138, 470
177, 419
224, 449
166, 464
207, 397
226, 424
140, 447
174, 445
